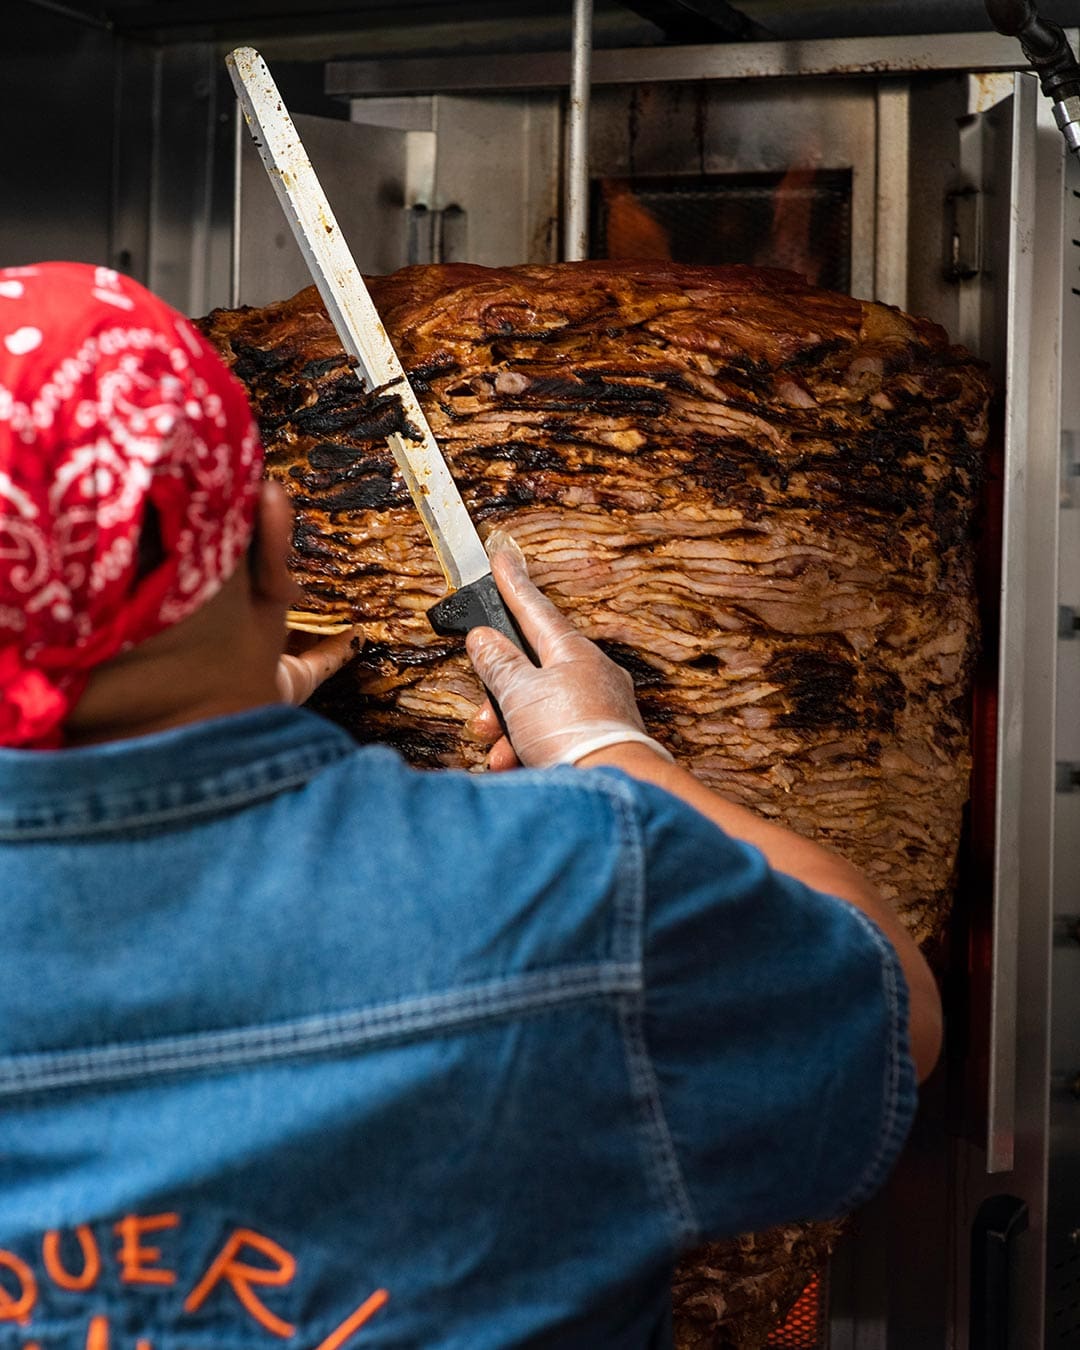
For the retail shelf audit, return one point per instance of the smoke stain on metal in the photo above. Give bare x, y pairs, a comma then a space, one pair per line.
988, 88
543, 239
633, 126
877, 68
701, 116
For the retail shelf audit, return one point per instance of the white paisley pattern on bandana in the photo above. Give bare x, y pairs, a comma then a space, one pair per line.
113, 409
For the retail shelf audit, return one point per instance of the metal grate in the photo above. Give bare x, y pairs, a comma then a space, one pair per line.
799, 220
806, 1327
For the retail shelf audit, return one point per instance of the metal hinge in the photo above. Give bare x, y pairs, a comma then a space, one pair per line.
1068, 622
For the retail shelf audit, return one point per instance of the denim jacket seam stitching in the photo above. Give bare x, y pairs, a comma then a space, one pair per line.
271, 783
564, 778
653, 1123
893, 1129
645, 1088
318, 1034
628, 938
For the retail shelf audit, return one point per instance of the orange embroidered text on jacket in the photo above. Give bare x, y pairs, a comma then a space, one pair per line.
140, 1261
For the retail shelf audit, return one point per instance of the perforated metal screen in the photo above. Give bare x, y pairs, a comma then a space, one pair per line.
799, 220
806, 1327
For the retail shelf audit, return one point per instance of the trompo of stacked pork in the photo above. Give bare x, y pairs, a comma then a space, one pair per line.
755, 494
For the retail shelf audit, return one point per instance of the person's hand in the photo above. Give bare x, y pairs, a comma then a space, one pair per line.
575, 702
298, 676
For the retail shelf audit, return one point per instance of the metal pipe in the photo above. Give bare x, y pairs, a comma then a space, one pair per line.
700, 20
1019, 18
576, 214
1010, 16
1047, 48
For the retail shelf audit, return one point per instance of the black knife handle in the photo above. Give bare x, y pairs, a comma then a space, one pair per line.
479, 605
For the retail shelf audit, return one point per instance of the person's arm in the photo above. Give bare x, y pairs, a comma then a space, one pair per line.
557, 713
299, 674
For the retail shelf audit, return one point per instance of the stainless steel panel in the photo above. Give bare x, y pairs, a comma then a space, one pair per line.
414, 117
1037, 375
363, 171
1063, 1190
892, 196
497, 159
936, 105
190, 187
133, 157
1013, 183
489, 174
1051, 370
657, 65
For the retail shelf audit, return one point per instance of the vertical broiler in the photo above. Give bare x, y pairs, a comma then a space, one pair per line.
922, 172
987, 1102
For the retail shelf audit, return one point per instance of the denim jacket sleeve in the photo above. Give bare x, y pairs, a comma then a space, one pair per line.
776, 1025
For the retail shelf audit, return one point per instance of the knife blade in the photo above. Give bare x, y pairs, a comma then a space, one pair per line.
474, 599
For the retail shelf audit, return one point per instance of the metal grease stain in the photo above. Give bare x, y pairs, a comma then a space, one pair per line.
633, 124
701, 114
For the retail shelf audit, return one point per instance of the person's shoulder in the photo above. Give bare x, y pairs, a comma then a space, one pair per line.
379, 766
527, 870
380, 769
565, 808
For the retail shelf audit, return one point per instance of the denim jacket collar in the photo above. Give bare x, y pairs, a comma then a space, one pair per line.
148, 781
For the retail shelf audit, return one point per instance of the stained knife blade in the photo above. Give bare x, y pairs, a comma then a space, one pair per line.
474, 599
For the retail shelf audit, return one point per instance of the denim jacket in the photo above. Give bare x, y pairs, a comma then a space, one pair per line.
302, 1047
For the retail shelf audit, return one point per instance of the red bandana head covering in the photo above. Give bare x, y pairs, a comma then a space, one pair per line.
113, 409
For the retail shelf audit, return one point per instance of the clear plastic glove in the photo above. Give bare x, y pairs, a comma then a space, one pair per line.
575, 702
299, 675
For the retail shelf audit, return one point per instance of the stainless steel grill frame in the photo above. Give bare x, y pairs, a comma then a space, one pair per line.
956, 168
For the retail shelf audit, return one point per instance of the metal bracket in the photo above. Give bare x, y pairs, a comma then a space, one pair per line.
964, 208
436, 235
453, 234
1067, 930
999, 1221
1066, 776
419, 235
1070, 467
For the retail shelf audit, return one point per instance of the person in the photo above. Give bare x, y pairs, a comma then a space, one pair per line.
301, 1045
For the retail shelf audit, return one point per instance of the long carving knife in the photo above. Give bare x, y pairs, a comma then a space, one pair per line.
474, 600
